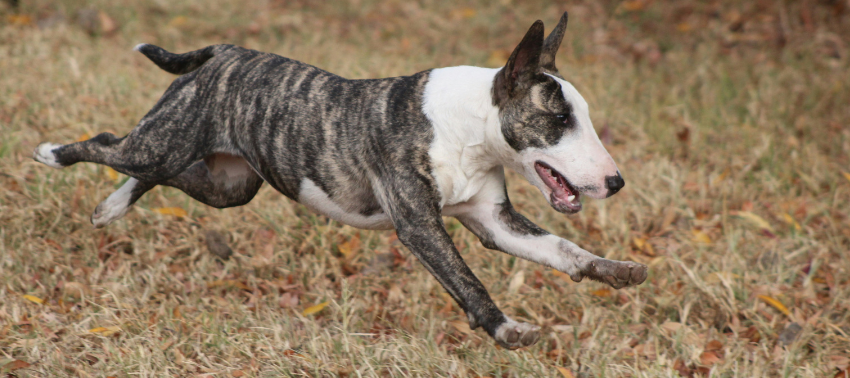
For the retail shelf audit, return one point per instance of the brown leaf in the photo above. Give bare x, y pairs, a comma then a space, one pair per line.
349, 247
683, 369
752, 334
108, 26
713, 346
633, 5
15, 365
709, 358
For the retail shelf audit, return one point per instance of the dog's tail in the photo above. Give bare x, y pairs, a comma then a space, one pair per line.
177, 64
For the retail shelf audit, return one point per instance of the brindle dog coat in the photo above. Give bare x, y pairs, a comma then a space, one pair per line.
385, 153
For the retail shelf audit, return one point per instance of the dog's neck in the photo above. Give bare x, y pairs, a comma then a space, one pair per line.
468, 140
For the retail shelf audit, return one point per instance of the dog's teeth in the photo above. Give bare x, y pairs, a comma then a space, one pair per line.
571, 198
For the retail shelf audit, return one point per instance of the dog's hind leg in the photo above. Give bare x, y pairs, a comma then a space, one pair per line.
174, 134
220, 180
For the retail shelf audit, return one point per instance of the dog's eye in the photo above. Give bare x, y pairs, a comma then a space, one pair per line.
564, 118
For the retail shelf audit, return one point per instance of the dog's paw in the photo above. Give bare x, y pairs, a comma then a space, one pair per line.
512, 334
618, 274
44, 154
115, 206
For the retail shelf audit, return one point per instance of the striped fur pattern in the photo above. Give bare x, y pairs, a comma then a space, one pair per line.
394, 153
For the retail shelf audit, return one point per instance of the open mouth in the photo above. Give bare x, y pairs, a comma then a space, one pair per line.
564, 197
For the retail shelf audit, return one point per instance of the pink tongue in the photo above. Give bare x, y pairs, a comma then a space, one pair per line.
561, 192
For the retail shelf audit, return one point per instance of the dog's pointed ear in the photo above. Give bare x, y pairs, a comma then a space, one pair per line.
551, 45
524, 62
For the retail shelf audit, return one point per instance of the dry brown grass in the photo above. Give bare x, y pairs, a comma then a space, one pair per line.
729, 123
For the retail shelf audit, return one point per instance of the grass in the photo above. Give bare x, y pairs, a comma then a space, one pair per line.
729, 123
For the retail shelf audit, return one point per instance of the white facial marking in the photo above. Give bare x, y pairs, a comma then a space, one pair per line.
115, 206
312, 196
44, 154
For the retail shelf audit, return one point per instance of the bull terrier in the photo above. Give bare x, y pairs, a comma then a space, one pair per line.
395, 153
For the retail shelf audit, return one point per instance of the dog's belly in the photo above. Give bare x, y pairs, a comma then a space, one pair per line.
312, 196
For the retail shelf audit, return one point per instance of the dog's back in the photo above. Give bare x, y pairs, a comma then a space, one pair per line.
301, 128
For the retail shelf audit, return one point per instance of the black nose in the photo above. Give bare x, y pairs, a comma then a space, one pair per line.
614, 184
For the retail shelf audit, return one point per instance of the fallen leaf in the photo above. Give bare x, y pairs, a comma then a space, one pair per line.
112, 174
709, 358
108, 26
754, 219
722, 176
106, 331
348, 247
229, 283
314, 309
15, 365
713, 346
643, 246
566, 373
84, 137
790, 220
775, 303
700, 236
178, 21
237, 374
603, 292
751, 334
846, 175
633, 5
33, 299
175, 211
717, 277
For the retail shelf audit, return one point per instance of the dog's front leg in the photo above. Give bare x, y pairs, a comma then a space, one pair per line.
418, 223
491, 217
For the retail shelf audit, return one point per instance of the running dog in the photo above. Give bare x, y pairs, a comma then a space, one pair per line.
396, 153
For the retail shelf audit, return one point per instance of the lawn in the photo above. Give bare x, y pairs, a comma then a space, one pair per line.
730, 122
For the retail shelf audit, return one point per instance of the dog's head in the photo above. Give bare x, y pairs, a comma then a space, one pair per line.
546, 123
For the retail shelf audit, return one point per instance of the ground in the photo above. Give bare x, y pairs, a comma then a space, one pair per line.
728, 120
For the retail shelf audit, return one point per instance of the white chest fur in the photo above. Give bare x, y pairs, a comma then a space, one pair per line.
467, 141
